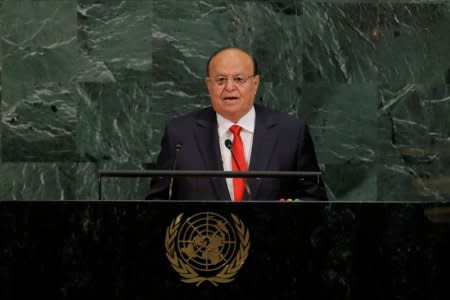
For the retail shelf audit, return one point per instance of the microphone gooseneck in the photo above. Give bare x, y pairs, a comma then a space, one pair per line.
174, 166
229, 146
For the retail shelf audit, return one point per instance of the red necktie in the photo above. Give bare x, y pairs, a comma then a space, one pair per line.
238, 150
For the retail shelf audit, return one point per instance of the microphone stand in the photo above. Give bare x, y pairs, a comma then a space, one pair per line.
177, 150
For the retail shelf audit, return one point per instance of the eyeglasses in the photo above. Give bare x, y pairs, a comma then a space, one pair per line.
239, 80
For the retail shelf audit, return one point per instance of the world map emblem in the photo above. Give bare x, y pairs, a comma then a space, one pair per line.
207, 247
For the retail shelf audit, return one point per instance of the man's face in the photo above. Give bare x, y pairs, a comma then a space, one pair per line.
229, 96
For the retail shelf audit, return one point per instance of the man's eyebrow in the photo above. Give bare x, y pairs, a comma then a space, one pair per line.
238, 74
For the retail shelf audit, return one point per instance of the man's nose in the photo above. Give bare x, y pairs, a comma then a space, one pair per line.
229, 84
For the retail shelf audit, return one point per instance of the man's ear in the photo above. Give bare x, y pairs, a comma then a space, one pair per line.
208, 82
256, 80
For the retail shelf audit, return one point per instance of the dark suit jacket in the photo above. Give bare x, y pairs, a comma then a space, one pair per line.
280, 143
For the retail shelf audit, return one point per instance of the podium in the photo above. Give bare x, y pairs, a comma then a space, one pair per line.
292, 250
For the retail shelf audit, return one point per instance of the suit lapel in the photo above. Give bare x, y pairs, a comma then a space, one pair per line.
264, 140
207, 140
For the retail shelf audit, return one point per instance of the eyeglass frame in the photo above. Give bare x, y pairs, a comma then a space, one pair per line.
226, 78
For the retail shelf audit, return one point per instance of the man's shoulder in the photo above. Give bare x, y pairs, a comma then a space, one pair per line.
190, 118
278, 116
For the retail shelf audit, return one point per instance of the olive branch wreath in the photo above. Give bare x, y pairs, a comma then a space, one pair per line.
189, 274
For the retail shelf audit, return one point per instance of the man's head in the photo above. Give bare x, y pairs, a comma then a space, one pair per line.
232, 82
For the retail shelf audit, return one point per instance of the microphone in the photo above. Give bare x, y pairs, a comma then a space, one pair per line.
174, 166
229, 145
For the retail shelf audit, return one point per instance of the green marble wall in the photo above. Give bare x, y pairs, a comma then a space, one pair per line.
89, 84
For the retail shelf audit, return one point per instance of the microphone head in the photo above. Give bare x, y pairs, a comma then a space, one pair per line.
228, 144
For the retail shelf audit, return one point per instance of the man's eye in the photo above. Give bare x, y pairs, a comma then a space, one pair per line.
239, 79
220, 80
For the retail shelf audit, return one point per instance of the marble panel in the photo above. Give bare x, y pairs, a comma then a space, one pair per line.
414, 144
185, 33
182, 47
353, 181
414, 44
1, 101
41, 126
337, 42
115, 40
343, 125
380, 42
69, 181
95, 81
343, 118
37, 181
285, 96
124, 188
272, 31
39, 60
114, 122
87, 181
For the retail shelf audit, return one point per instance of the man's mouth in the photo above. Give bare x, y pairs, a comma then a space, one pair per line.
230, 98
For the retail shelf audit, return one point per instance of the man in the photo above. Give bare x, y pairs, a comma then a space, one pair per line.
236, 135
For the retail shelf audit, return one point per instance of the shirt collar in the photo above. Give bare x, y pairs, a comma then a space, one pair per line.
247, 122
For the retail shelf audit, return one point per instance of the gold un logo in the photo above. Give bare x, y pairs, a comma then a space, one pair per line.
207, 247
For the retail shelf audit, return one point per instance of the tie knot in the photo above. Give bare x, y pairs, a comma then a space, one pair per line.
235, 129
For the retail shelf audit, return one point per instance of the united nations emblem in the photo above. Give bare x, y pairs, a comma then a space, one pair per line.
207, 247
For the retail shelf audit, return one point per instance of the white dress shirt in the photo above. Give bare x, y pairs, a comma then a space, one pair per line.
247, 122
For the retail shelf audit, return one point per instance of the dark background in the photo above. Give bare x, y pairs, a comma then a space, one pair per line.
115, 250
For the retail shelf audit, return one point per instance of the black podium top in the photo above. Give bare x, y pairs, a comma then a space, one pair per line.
138, 250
